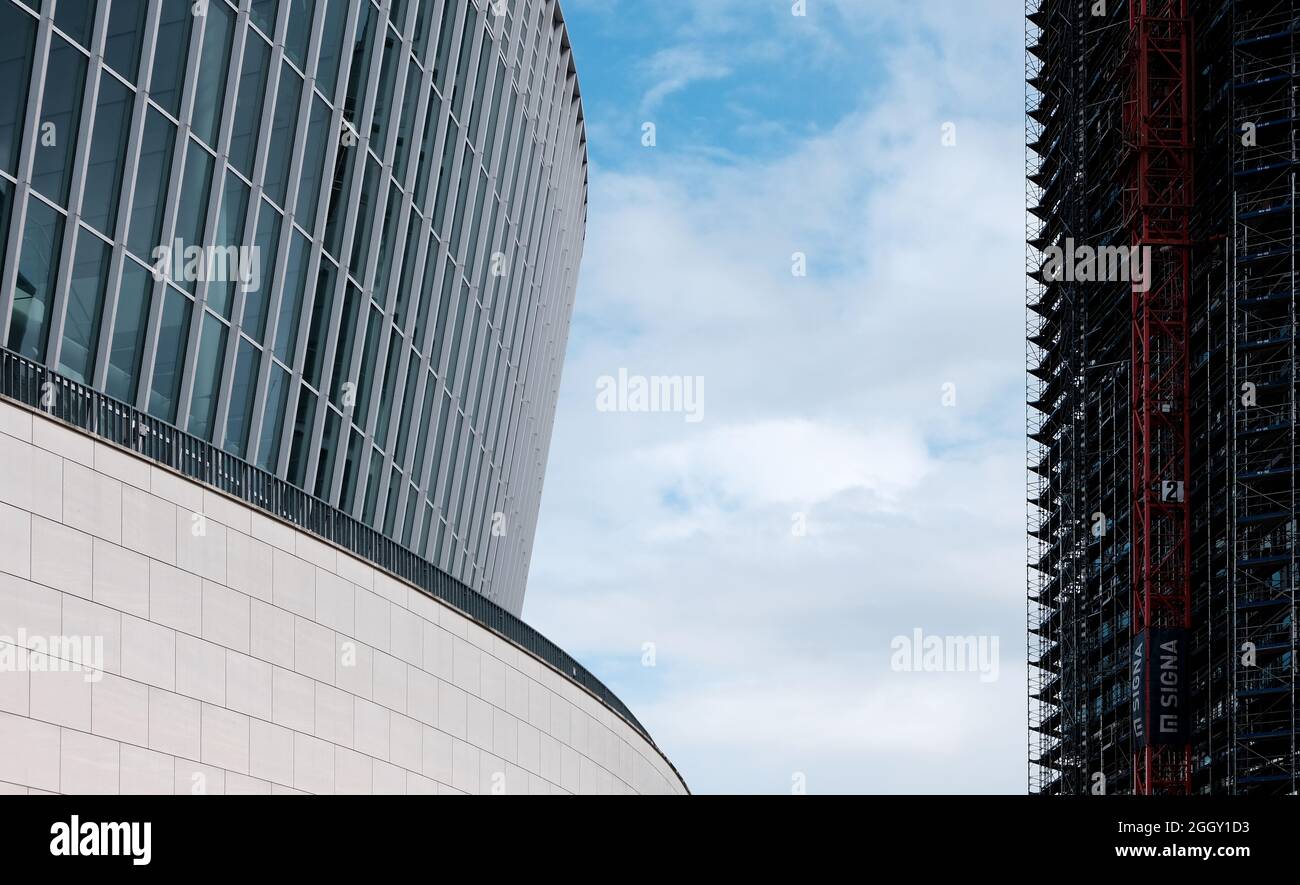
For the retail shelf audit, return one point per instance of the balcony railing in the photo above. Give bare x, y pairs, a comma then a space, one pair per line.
86, 409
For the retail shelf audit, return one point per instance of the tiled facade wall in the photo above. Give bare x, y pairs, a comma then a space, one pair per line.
244, 656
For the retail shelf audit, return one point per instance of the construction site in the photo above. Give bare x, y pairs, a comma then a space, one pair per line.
1162, 442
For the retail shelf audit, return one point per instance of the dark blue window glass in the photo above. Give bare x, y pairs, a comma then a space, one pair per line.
313, 164
230, 240
75, 18
264, 12
38, 267
173, 340
241, 398
170, 57
192, 209
257, 298
150, 185
331, 48
129, 329
17, 38
268, 449
295, 282
282, 131
302, 429
299, 33
56, 139
125, 30
214, 68
248, 106
85, 307
107, 156
207, 376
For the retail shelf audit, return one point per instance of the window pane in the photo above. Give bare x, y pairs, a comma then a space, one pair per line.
38, 266
367, 203
329, 446
372, 486
313, 165
282, 132
350, 470
443, 58
129, 328
347, 343
331, 49
427, 145
248, 107
264, 13
241, 398
359, 73
125, 29
60, 118
150, 185
387, 245
366, 374
268, 450
85, 307
210, 94
318, 336
207, 376
169, 59
173, 339
302, 428
192, 210
299, 33
384, 97
256, 299
17, 35
406, 124
230, 238
75, 18
295, 282
6, 210
107, 156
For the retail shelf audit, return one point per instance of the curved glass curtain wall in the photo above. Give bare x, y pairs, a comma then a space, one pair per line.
412, 175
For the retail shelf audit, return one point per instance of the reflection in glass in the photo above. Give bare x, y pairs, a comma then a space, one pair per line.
38, 266
268, 448
85, 307
17, 38
169, 58
210, 93
150, 185
230, 238
248, 106
267, 244
207, 376
107, 156
75, 18
295, 282
129, 329
125, 30
173, 340
241, 398
283, 128
60, 118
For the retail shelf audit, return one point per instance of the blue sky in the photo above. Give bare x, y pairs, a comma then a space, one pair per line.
824, 395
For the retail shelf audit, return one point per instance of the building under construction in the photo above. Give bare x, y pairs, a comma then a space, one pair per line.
1162, 395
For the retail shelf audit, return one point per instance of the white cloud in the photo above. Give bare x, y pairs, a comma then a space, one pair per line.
823, 397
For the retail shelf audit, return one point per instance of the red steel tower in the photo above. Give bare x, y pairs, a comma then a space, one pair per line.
1158, 131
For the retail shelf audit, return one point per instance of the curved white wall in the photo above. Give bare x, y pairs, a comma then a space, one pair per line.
241, 655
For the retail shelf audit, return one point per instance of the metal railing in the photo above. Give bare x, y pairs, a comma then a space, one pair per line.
86, 409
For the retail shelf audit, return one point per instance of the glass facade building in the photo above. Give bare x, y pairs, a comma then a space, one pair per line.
337, 239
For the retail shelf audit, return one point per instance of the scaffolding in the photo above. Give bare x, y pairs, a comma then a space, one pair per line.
1264, 400
1110, 558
